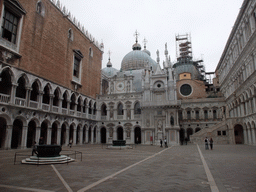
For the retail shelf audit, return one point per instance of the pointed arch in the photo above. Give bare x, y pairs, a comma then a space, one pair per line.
137, 109
6, 77
73, 101
120, 110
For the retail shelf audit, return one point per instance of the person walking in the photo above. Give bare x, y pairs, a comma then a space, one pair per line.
206, 142
161, 143
211, 143
165, 143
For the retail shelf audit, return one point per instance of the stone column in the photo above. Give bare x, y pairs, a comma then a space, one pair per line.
60, 105
242, 109
51, 101
67, 136
8, 137
124, 134
249, 136
132, 136
86, 111
125, 113
107, 135
40, 99
142, 136
253, 136
81, 136
28, 92
86, 135
58, 135
74, 136
92, 135
49, 136
114, 134
115, 113
132, 113
38, 131
13, 93
108, 114
68, 107
254, 104
252, 22
245, 136
24, 137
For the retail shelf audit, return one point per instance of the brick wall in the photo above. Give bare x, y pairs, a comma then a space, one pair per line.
47, 51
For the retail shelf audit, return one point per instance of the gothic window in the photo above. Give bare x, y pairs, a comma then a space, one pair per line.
10, 26
73, 102
70, 34
77, 66
188, 115
137, 109
205, 114
197, 115
65, 100
46, 95
90, 107
35, 92
56, 98
79, 107
90, 52
103, 110
20, 90
5, 82
120, 110
84, 107
214, 114
180, 115
172, 120
94, 109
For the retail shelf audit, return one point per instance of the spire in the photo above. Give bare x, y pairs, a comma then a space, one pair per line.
109, 64
157, 58
136, 46
145, 42
166, 51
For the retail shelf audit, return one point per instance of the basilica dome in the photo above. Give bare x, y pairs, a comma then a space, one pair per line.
109, 70
137, 59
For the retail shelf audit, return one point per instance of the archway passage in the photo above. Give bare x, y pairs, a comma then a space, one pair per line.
89, 134
63, 134
189, 132
182, 136
137, 135
16, 134
239, 136
43, 134
120, 133
2, 132
54, 133
31, 134
103, 135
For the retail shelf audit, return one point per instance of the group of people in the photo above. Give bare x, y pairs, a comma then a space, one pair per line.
165, 143
208, 142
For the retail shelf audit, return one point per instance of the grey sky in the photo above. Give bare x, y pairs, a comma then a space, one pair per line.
115, 21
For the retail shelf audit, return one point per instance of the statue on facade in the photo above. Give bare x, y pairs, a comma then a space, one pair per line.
160, 125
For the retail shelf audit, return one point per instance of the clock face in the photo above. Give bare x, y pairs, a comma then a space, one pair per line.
120, 86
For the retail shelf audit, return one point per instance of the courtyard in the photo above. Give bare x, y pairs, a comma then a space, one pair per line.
143, 168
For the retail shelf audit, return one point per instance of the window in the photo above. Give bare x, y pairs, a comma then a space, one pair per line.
205, 114
185, 89
197, 115
10, 26
223, 132
120, 109
70, 34
219, 132
188, 115
76, 67
137, 109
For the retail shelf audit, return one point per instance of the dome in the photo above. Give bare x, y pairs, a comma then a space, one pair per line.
147, 51
137, 59
109, 70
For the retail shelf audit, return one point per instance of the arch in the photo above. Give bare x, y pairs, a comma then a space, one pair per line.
73, 101
54, 136
78, 133
16, 133
31, 134
84, 133
21, 88
89, 134
120, 110
182, 135
85, 105
46, 94
137, 135
35, 90
103, 135
94, 108
90, 107
3, 125
238, 131
94, 134
79, 104
71, 132
172, 120
63, 134
56, 98
120, 133
65, 99
189, 132
103, 109
44, 130
137, 109
6, 81
197, 129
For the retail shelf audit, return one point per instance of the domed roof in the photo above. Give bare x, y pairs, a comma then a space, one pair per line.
147, 51
109, 70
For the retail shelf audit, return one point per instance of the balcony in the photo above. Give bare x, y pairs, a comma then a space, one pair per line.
33, 104
55, 109
45, 107
20, 102
71, 112
4, 98
64, 111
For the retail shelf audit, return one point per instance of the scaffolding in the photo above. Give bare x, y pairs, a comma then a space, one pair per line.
183, 47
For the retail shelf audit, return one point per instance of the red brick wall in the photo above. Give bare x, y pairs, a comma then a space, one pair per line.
47, 52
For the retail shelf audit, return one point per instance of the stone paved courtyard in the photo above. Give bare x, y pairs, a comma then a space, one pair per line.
144, 168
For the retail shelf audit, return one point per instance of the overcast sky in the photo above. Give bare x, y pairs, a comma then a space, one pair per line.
115, 21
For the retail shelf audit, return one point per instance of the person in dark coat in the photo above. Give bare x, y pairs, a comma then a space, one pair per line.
211, 143
206, 142
161, 143
34, 150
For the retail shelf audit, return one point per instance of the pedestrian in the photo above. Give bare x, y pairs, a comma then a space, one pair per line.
161, 143
34, 150
206, 142
186, 140
70, 143
165, 143
211, 143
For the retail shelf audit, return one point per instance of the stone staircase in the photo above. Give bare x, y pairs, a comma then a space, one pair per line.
211, 132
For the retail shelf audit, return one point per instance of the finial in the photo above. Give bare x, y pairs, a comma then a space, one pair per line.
145, 42
136, 34
109, 64
109, 53
166, 51
157, 53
